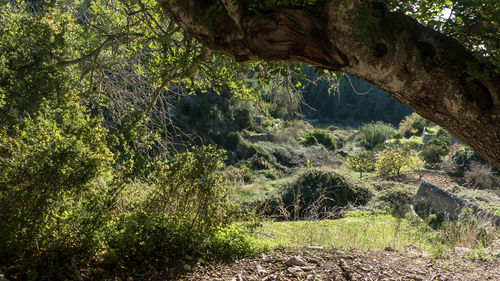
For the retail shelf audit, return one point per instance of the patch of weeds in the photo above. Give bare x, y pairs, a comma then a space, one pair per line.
358, 230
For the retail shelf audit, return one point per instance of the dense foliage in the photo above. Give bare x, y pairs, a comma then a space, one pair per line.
373, 134
320, 137
78, 183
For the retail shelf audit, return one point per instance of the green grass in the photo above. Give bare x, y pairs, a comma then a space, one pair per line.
495, 210
359, 230
259, 190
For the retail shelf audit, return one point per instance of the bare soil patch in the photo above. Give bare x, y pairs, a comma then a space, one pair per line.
322, 264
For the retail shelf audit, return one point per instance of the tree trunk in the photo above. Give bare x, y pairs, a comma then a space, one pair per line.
432, 74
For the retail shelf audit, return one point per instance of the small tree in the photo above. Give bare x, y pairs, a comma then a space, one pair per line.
392, 159
363, 162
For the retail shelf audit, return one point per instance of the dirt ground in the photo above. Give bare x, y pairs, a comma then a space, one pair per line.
322, 264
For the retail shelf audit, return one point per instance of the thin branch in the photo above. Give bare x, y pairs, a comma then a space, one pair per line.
109, 42
188, 72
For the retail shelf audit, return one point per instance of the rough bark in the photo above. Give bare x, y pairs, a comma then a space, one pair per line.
417, 66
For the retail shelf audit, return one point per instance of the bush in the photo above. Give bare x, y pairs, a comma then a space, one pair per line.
56, 187
398, 198
243, 115
317, 193
412, 124
443, 136
201, 108
186, 212
373, 134
463, 157
232, 140
467, 231
29, 76
269, 155
53, 192
433, 151
363, 162
322, 137
480, 176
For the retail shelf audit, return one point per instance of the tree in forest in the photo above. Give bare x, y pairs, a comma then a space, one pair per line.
444, 67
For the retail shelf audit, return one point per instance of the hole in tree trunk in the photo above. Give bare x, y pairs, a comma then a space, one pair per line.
380, 50
476, 92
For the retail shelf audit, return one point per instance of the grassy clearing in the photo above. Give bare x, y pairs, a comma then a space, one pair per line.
257, 191
358, 230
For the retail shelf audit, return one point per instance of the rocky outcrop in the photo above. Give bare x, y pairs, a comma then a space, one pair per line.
432, 199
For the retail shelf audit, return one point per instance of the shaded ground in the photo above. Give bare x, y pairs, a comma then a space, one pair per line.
437, 178
318, 264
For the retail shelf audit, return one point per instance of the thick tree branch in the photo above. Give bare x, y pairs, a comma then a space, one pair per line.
418, 66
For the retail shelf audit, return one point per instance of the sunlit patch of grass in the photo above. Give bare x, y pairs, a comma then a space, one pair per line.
257, 191
359, 230
495, 210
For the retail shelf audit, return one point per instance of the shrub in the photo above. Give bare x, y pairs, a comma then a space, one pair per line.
186, 212
232, 140
412, 124
433, 151
480, 176
463, 157
273, 156
398, 198
373, 134
316, 193
29, 76
363, 162
467, 231
322, 137
56, 188
443, 136
243, 115
201, 108
53, 192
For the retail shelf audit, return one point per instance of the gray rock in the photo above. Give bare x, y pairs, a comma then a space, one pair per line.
426, 137
295, 270
432, 199
260, 270
295, 261
186, 267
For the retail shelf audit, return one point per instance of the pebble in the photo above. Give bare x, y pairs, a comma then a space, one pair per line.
295, 261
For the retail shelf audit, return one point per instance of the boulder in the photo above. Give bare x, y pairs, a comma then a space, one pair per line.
432, 199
